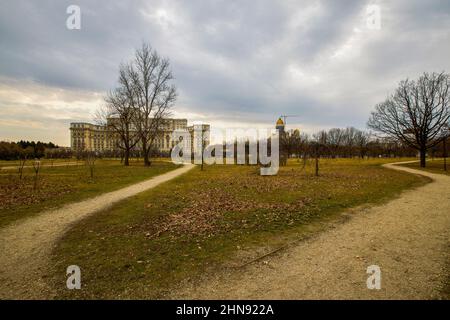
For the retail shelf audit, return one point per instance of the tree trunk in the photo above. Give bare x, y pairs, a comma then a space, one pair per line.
445, 153
145, 151
317, 166
423, 155
127, 157
149, 157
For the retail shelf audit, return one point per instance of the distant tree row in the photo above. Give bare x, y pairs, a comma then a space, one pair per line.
414, 119
25, 144
334, 143
25, 149
342, 143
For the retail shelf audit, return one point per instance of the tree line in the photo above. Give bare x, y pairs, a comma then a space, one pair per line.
25, 149
333, 143
342, 143
414, 119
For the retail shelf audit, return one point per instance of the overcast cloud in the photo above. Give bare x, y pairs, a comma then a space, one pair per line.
236, 63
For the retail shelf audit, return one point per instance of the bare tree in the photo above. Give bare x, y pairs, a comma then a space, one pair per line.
301, 144
290, 141
349, 141
301, 148
362, 140
335, 141
204, 140
445, 153
151, 78
136, 111
444, 145
120, 112
317, 147
416, 113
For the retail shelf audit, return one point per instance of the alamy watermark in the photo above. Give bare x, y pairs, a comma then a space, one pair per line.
74, 279
374, 280
239, 146
73, 21
373, 17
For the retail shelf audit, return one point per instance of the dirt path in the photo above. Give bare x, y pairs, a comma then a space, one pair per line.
408, 238
25, 245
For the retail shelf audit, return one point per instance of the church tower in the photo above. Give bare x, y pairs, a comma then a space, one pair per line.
280, 126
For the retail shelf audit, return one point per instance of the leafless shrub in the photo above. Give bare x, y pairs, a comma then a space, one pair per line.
22, 161
90, 162
36, 168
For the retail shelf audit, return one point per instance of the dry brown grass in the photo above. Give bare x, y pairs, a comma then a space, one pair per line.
63, 184
197, 222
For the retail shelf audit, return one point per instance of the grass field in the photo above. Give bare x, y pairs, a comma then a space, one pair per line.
59, 185
433, 166
208, 220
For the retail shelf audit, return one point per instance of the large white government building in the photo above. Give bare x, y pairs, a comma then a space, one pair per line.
92, 137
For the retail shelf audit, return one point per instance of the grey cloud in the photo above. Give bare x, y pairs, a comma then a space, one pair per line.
232, 58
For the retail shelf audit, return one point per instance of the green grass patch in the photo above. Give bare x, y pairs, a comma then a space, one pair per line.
206, 220
60, 185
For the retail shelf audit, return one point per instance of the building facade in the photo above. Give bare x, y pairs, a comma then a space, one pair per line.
92, 137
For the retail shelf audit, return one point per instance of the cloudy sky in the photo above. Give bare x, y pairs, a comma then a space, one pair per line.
236, 63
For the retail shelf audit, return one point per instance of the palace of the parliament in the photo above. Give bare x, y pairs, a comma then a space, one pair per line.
91, 137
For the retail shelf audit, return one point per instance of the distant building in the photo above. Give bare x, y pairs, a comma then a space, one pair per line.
92, 137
